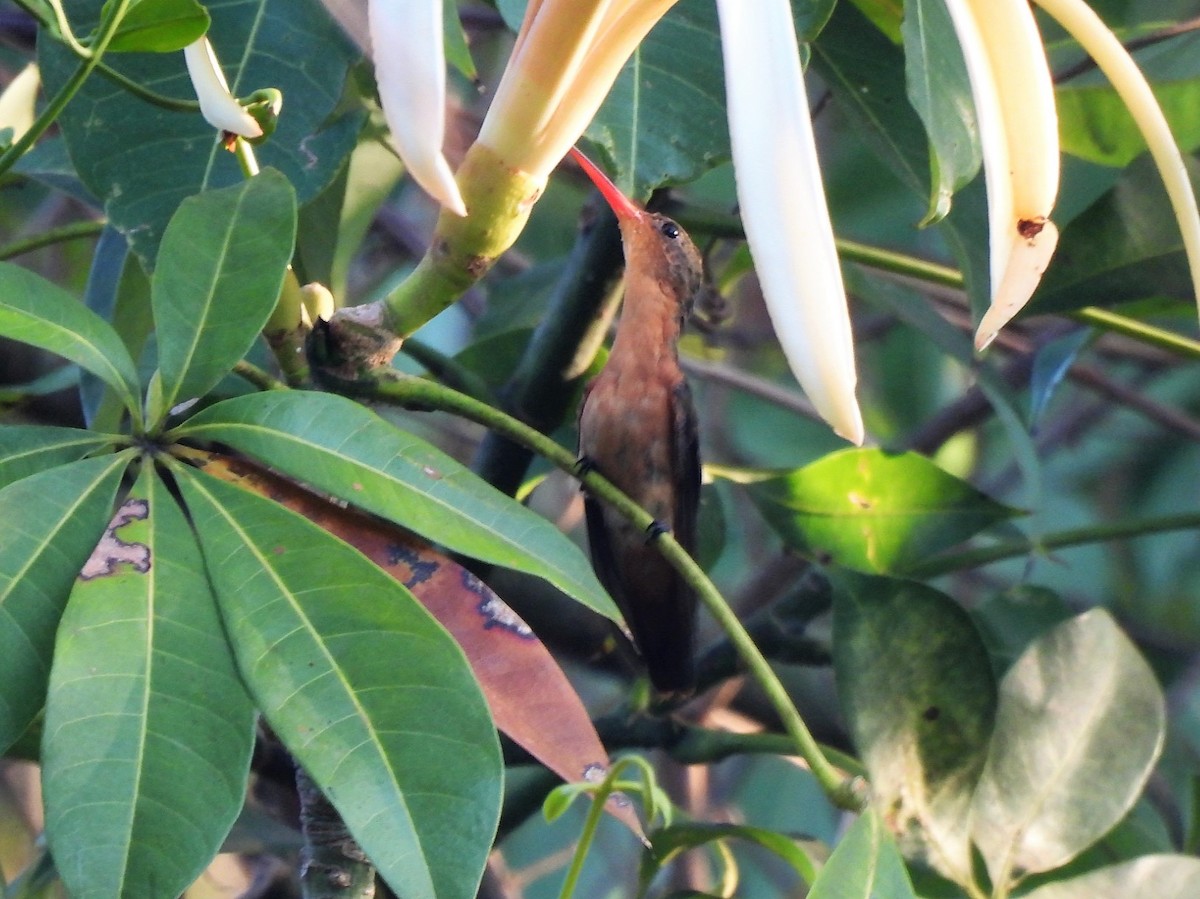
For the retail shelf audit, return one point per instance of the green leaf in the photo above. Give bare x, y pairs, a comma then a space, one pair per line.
158, 26
1079, 726
874, 511
940, 92
1160, 876
1094, 123
27, 449
664, 120
865, 865
1010, 621
674, 132
1125, 246
223, 257
864, 71
370, 694
37, 312
142, 160
118, 290
886, 15
148, 727
458, 53
670, 841
375, 466
52, 522
917, 688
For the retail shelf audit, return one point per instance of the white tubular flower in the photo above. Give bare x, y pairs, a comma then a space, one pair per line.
783, 206
217, 105
410, 67
1082, 23
1018, 130
563, 64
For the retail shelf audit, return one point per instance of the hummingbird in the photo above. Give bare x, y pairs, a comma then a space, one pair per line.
637, 427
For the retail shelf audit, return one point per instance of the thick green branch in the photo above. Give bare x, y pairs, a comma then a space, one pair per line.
464, 249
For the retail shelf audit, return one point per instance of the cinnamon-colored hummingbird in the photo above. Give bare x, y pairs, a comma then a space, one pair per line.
637, 427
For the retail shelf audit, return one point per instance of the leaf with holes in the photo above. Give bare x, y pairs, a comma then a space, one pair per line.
148, 728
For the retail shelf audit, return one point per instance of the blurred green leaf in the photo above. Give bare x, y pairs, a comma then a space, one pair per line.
458, 53
1159, 876
873, 511
669, 842
53, 520
224, 255
1079, 726
1125, 246
118, 290
886, 15
1050, 366
158, 26
917, 688
148, 727
42, 314
940, 93
142, 160
865, 865
1011, 620
27, 449
379, 468
1094, 123
370, 694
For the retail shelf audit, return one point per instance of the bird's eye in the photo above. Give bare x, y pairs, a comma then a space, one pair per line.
669, 229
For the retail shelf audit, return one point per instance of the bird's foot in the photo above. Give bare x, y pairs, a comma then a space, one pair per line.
656, 529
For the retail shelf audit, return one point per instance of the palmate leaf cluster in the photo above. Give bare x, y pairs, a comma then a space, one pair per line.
180, 579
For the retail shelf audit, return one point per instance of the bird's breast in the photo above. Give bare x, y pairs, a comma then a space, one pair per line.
625, 431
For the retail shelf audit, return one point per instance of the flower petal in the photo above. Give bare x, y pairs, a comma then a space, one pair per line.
783, 206
1018, 131
217, 105
1082, 23
410, 68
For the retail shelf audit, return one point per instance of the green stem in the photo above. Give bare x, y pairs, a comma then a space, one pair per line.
175, 104
1131, 327
986, 555
259, 378
108, 27
900, 263
245, 157
409, 391
73, 231
162, 101
588, 834
65, 32
932, 273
